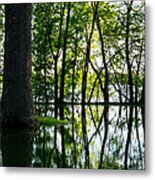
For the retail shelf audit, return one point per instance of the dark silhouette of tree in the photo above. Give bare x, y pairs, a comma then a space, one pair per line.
62, 83
130, 83
17, 103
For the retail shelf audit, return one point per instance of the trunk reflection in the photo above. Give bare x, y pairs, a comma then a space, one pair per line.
17, 147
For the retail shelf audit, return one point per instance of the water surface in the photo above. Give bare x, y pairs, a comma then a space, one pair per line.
96, 136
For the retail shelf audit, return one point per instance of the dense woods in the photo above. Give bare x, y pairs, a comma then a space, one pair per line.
88, 68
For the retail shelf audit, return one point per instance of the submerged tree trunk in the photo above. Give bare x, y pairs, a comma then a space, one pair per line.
17, 103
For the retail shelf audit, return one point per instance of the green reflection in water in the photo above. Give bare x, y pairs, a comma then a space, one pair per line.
87, 142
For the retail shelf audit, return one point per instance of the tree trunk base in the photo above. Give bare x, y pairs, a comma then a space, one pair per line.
26, 123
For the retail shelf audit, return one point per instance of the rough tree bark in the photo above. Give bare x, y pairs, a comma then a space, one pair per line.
17, 103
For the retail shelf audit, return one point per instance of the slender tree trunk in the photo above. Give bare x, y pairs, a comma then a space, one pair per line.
105, 93
64, 57
129, 66
62, 84
88, 51
85, 137
130, 84
72, 100
17, 103
84, 87
45, 76
74, 150
143, 107
56, 57
106, 118
74, 64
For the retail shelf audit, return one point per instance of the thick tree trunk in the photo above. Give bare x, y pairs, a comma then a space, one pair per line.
17, 103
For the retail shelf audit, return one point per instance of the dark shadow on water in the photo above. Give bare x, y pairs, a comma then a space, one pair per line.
17, 147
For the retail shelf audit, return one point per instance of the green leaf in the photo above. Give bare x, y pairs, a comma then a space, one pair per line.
49, 121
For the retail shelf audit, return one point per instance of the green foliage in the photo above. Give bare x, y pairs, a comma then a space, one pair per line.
111, 165
49, 121
48, 37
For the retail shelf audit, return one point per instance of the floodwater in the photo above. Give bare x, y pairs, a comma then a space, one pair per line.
97, 136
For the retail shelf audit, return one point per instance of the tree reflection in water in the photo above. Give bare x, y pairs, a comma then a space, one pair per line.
17, 147
106, 137
97, 137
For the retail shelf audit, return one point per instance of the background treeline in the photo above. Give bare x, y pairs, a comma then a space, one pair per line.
85, 52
